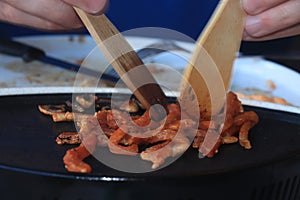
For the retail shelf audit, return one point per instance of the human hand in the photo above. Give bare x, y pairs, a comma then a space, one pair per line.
270, 19
48, 14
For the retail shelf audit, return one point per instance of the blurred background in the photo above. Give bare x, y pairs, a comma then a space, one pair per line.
188, 17
185, 16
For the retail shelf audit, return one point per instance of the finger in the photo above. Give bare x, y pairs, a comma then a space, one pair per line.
55, 11
294, 30
254, 7
273, 20
13, 15
90, 6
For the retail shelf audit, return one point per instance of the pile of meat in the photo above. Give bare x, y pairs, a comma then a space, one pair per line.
126, 134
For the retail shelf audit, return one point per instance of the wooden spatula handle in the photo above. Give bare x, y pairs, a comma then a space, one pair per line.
124, 59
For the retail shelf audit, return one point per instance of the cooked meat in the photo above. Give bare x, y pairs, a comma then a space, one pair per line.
68, 138
154, 141
52, 109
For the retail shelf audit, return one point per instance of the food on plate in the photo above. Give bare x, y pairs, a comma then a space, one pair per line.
262, 97
271, 85
133, 134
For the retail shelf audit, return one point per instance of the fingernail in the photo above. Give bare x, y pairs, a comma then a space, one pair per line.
253, 26
250, 7
97, 7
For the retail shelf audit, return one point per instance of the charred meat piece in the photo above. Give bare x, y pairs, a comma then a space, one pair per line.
52, 109
86, 100
68, 138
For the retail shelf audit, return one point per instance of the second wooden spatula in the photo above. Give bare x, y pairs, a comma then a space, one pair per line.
209, 71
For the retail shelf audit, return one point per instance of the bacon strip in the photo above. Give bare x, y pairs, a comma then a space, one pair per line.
73, 158
125, 135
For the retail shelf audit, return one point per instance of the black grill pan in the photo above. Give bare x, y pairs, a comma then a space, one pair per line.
30, 156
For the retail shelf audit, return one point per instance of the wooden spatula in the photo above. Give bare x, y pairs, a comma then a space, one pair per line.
124, 60
214, 55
